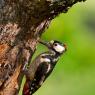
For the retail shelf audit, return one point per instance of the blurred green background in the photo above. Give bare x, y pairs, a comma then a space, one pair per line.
75, 72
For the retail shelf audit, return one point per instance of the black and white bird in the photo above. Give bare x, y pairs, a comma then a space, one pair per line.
42, 66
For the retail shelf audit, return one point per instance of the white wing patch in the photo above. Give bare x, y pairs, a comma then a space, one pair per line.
45, 60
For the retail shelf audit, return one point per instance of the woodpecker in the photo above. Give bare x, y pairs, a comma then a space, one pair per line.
42, 66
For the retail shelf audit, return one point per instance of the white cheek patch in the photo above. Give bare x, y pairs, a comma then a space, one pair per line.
59, 48
45, 60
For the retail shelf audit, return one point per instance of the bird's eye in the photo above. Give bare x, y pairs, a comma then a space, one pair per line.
55, 44
43, 56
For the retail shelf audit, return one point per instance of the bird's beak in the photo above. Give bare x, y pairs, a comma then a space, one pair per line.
45, 43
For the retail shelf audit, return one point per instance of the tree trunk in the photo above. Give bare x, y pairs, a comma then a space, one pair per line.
21, 24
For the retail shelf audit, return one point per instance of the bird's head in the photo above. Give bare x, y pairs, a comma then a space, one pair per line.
55, 46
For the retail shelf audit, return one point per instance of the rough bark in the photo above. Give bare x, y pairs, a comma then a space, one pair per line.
21, 24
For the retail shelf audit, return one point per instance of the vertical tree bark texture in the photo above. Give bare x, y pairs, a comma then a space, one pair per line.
21, 24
